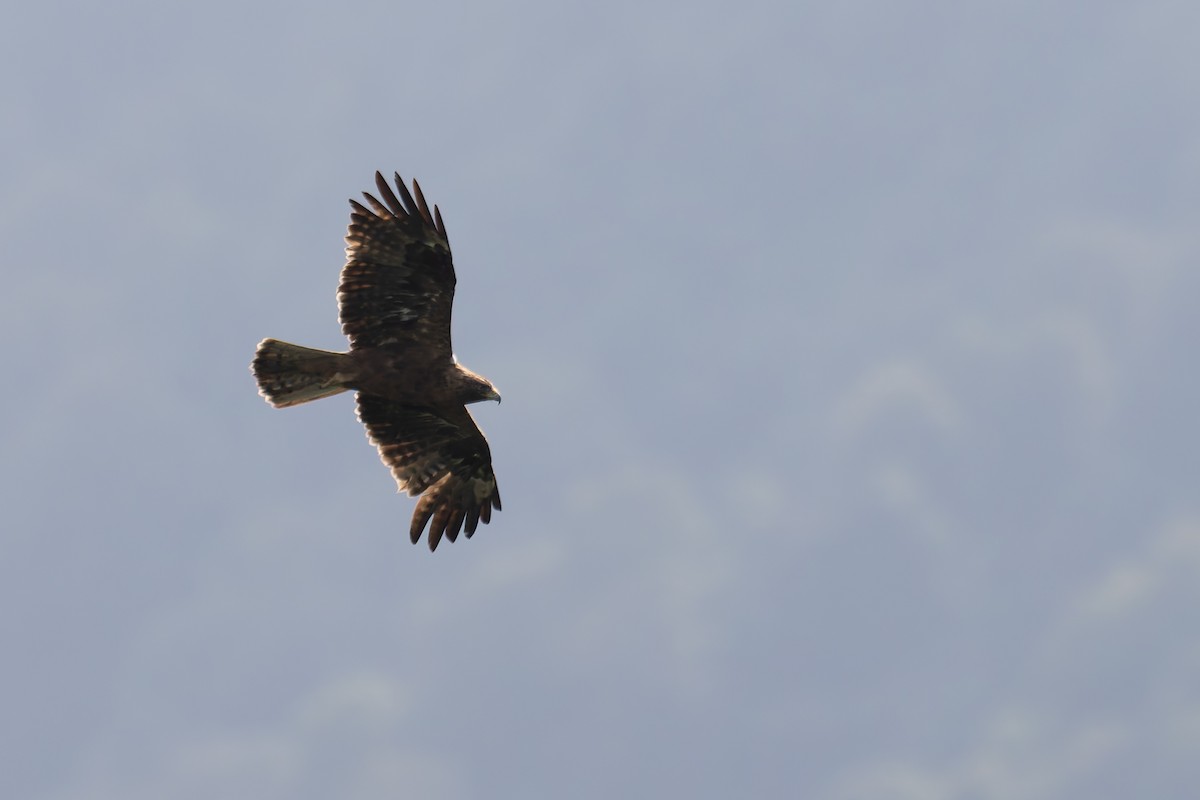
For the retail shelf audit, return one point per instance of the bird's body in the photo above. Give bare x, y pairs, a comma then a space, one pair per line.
395, 299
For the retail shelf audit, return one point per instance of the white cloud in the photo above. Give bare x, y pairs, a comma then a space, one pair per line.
1170, 557
682, 564
900, 386
1065, 335
1018, 755
363, 699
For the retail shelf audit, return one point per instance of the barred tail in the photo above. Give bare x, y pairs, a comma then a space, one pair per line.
289, 374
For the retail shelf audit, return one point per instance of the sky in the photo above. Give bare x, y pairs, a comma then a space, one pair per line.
849, 445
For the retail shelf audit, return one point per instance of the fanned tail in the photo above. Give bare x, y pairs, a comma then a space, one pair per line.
289, 374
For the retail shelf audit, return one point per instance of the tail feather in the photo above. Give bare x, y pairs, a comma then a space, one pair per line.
289, 374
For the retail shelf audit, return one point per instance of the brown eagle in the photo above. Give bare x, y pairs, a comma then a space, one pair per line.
394, 302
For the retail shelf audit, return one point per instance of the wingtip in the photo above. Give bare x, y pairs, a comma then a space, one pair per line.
441, 226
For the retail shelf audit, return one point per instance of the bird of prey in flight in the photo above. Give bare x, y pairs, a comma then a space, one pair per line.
394, 301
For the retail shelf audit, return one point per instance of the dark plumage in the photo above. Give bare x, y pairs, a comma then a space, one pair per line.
395, 299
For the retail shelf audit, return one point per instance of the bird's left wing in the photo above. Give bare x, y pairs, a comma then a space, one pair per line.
441, 456
397, 286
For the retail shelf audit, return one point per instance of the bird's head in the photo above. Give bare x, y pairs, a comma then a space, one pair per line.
476, 388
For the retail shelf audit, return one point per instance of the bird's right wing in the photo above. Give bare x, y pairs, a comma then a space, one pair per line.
441, 456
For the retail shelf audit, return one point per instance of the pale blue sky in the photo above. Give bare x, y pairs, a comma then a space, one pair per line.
849, 445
